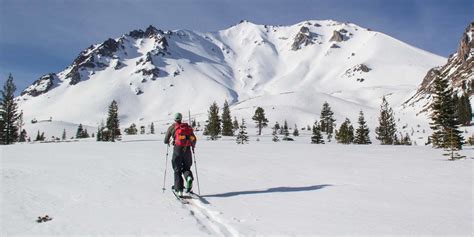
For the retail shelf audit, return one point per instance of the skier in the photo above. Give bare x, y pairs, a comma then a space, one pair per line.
183, 140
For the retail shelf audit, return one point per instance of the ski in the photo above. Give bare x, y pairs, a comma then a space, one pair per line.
181, 199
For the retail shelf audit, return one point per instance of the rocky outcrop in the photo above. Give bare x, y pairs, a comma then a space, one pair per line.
336, 36
303, 38
459, 70
339, 36
42, 85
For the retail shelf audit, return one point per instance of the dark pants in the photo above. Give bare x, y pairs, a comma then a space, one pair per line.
182, 161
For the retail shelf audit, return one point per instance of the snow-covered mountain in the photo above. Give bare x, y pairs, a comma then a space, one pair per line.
288, 70
459, 70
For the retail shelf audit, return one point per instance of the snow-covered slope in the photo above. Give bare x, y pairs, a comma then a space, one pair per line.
288, 70
301, 189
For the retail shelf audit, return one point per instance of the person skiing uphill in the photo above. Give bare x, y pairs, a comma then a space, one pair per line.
183, 140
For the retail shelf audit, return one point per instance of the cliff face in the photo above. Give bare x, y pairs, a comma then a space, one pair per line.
459, 69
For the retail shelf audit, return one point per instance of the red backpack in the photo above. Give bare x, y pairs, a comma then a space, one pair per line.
183, 134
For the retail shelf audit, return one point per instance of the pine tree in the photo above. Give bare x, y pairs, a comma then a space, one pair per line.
406, 140
345, 135
213, 127
152, 128
8, 114
296, 132
260, 119
63, 137
227, 126
38, 137
132, 130
274, 133
242, 136
285, 129
235, 124
317, 137
85, 134
80, 132
444, 117
113, 123
464, 110
386, 130
23, 136
327, 120
362, 132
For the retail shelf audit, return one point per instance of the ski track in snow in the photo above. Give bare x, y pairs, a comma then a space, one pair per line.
209, 220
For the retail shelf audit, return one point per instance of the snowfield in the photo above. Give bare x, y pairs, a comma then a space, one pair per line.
262, 188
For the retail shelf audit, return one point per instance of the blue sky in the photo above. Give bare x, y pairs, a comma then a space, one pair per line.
42, 36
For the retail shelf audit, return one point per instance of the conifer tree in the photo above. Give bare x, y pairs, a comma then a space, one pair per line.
132, 130
296, 132
38, 137
113, 123
285, 129
85, 134
213, 127
152, 128
242, 136
345, 135
317, 137
235, 124
464, 110
23, 136
274, 133
63, 137
327, 120
386, 130
227, 126
8, 114
80, 132
260, 119
444, 117
362, 132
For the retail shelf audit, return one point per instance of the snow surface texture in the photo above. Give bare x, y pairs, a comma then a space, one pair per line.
248, 65
263, 188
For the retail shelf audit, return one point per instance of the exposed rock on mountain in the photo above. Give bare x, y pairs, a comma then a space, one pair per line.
303, 38
42, 85
459, 70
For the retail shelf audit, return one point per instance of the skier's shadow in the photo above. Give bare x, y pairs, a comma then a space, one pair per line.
271, 190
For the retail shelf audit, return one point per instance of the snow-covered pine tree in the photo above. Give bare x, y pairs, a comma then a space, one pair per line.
227, 126
444, 117
86, 134
152, 128
80, 132
113, 123
345, 135
386, 130
213, 127
327, 120
63, 137
260, 119
362, 132
296, 132
8, 114
242, 137
317, 137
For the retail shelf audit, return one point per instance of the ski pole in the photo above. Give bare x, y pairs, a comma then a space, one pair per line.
166, 167
197, 176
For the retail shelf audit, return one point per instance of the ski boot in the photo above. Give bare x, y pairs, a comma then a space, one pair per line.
188, 184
